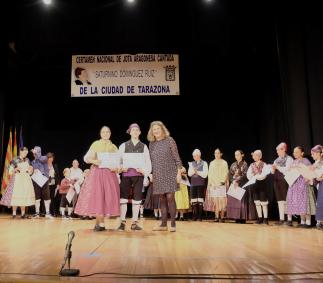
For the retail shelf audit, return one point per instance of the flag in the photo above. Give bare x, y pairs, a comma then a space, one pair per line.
15, 150
21, 141
5, 175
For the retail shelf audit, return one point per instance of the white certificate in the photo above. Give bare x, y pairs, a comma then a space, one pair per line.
267, 169
250, 182
308, 173
39, 178
236, 192
77, 187
133, 160
218, 191
109, 159
70, 195
291, 176
185, 182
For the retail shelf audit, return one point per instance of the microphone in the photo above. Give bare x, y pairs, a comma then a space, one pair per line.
67, 257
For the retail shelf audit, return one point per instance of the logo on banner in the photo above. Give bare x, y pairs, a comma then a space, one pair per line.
170, 73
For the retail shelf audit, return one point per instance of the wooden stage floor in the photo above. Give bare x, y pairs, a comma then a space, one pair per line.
32, 250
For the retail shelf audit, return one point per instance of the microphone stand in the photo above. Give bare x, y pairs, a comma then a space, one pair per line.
69, 271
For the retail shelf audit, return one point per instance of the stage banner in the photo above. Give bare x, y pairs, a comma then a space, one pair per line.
125, 75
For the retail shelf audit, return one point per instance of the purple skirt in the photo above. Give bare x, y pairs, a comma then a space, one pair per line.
319, 203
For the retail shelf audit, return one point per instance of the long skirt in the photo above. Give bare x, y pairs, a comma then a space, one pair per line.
104, 198
319, 203
244, 209
23, 193
297, 197
6, 198
311, 200
181, 198
214, 203
152, 201
82, 203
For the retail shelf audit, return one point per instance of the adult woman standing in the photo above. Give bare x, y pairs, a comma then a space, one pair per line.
166, 165
105, 194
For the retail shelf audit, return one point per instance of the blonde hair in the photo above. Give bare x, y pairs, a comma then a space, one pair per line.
66, 170
150, 136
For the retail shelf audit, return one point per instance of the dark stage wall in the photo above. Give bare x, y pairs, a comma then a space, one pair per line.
250, 75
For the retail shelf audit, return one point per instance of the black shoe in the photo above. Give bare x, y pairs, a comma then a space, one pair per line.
289, 223
25, 216
216, 220
265, 221
36, 215
319, 226
122, 227
259, 221
222, 220
98, 228
135, 227
181, 219
279, 223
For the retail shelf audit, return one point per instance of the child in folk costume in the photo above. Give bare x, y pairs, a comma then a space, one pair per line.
216, 199
297, 195
133, 177
104, 197
20, 191
82, 204
152, 201
257, 171
181, 196
244, 209
318, 165
198, 171
78, 177
279, 168
66, 184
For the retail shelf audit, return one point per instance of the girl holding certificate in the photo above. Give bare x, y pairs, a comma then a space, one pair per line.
318, 165
216, 199
297, 195
105, 194
258, 187
20, 191
244, 209
166, 167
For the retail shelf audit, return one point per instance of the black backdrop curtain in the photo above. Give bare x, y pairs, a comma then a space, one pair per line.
300, 44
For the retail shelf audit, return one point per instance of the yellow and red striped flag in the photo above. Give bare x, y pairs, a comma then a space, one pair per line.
5, 175
15, 150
